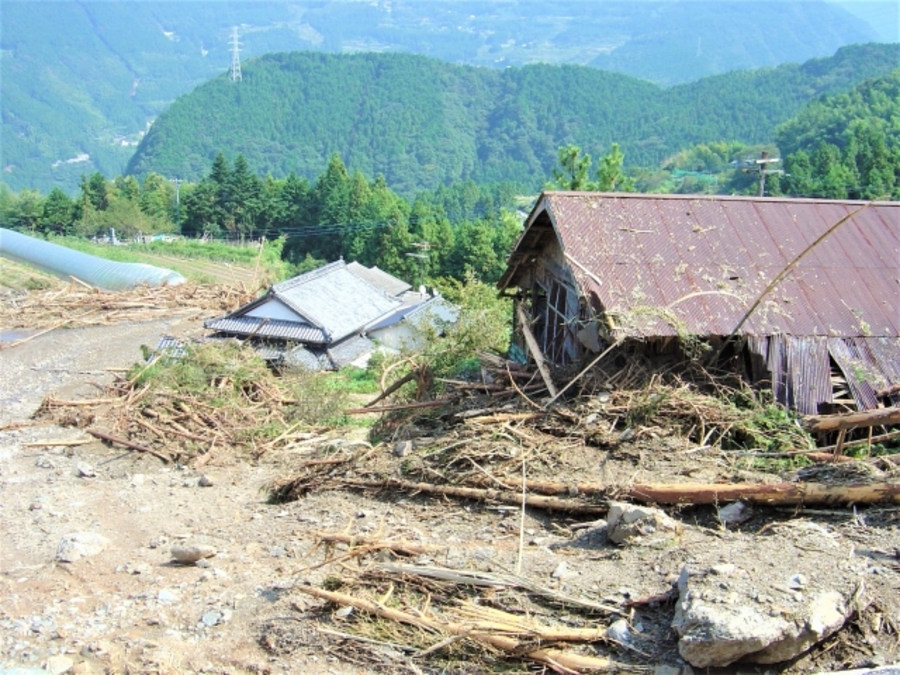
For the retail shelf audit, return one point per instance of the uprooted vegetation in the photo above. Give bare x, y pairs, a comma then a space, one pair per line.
204, 398
402, 604
495, 474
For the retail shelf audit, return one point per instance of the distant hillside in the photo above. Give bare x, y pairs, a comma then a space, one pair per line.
83, 78
422, 123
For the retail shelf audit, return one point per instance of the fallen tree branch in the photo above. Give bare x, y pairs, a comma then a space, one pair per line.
401, 547
477, 494
572, 662
50, 401
535, 349
128, 444
496, 580
53, 444
399, 406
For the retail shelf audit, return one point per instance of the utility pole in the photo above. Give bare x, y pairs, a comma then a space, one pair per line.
235, 56
761, 169
177, 182
422, 257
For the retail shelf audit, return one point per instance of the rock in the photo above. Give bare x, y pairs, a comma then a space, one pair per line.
211, 618
719, 621
561, 571
619, 631
403, 448
79, 545
632, 524
137, 480
205, 481
44, 462
57, 665
735, 514
191, 553
85, 470
167, 596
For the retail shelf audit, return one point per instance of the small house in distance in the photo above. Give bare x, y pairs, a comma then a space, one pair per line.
653, 274
333, 316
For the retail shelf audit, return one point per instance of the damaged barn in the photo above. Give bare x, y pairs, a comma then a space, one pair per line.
809, 288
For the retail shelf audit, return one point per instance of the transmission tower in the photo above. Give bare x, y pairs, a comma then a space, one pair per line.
235, 56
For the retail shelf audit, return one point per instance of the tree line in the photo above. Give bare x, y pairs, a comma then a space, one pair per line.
445, 232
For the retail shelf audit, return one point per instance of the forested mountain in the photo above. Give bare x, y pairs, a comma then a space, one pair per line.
421, 123
82, 79
847, 145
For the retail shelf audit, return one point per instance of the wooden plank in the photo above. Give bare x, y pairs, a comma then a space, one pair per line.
535, 350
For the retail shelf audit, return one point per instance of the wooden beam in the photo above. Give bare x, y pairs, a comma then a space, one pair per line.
535, 350
870, 418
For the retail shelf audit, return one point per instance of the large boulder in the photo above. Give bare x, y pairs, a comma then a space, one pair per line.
723, 615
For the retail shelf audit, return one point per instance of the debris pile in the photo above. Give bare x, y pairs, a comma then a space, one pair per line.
214, 397
78, 304
398, 603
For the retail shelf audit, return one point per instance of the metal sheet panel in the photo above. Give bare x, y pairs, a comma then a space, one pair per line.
857, 371
336, 299
777, 366
809, 372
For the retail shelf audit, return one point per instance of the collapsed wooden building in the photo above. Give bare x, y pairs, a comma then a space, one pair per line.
801, 294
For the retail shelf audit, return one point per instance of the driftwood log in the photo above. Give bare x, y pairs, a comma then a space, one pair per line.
870, 418
480, 494
782, 494
785, 493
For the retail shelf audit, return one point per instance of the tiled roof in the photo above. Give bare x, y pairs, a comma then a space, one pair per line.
379, 279
334, 299
267, 328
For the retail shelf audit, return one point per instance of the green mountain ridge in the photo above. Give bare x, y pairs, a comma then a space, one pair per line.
86, 77
422, 123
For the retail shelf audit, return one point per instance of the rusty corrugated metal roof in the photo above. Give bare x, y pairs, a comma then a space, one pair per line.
663, 264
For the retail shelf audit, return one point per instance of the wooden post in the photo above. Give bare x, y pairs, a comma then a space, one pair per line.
535, 350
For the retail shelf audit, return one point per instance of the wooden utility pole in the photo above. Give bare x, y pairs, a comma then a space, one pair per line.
761, 169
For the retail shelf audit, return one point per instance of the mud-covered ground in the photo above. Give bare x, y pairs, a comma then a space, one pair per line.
130, 609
